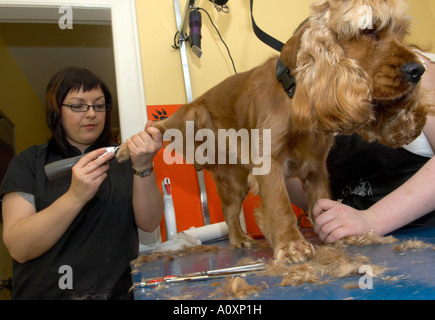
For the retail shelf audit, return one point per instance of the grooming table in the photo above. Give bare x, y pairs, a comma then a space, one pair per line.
413, 272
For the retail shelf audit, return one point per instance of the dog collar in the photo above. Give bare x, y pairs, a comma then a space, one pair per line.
283, 74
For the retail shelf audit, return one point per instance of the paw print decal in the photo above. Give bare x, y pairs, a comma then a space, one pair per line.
160, 115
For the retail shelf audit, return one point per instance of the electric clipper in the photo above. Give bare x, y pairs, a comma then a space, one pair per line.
63, 167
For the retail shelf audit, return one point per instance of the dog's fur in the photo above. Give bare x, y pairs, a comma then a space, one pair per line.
348, 60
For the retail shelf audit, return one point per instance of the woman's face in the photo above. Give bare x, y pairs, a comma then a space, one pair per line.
82, 129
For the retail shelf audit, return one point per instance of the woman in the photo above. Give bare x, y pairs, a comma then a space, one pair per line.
74, 237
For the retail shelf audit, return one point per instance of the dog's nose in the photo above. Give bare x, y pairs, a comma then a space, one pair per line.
413, 71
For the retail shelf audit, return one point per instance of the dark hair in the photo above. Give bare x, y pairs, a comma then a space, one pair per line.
64, 81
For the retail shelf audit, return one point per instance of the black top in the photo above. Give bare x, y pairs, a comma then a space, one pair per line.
93, 256
362, 173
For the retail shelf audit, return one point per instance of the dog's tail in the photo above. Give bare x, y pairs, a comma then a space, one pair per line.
194, 112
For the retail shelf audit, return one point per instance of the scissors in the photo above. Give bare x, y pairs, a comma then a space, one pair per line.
198, 276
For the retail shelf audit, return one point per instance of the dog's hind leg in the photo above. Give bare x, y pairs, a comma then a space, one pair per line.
232, 188
277, 220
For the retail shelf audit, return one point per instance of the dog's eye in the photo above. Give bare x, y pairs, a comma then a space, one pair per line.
371, 33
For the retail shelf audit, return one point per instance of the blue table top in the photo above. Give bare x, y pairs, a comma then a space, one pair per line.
413, 271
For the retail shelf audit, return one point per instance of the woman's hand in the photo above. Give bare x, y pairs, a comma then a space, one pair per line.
334, 220
144, 146
88, 174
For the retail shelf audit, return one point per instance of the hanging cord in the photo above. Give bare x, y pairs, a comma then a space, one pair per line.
228, 50
176, 36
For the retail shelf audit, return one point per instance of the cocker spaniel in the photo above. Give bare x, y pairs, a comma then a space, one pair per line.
353, 73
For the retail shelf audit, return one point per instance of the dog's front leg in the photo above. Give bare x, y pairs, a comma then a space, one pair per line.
277, 220
316, 185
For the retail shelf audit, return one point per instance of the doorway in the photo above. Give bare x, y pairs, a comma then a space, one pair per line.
120, 17
42, 49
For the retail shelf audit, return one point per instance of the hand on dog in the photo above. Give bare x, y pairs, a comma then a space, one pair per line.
143, 146
334, 221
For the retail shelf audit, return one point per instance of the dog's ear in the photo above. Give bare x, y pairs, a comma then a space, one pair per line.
332, 91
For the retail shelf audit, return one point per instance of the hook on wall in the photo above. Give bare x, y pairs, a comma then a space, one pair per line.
221, 5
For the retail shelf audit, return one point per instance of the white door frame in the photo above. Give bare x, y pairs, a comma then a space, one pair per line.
126, 47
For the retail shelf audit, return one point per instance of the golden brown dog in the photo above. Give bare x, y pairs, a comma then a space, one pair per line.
353, 74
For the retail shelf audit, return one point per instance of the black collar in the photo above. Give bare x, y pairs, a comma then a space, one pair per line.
284, 76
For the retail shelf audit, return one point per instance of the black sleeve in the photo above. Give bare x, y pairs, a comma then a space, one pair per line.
20, 175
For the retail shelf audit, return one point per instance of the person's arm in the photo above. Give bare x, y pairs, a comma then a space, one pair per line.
412, 200
147, 198
28, 234
296, 193
415, 198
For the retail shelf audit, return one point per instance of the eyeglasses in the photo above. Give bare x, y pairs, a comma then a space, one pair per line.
85, 107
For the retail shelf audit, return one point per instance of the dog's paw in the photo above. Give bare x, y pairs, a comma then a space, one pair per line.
295, 252
123, 154
242, 241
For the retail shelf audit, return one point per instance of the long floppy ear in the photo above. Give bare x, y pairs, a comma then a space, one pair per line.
398, 123
332, 91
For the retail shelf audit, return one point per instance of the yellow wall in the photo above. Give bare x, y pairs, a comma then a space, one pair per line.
423, 33
162, 69
16, 95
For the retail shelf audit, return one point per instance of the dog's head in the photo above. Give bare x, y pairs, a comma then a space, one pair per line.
354, 72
